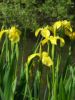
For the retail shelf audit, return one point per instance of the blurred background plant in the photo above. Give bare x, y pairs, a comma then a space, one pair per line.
31, 14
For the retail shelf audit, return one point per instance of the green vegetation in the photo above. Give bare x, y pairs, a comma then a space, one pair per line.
31, 14
58, 82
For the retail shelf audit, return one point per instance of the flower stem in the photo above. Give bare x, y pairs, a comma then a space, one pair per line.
53, 76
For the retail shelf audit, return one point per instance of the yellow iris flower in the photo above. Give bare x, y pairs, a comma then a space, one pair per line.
53, 40
67, 25
57, 25
43, 31
14, 34
71, 35
46, 60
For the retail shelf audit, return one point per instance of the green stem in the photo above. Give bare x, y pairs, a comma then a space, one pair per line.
7, 50
53, 48
53, 76
26, 86
37, 45
48, 49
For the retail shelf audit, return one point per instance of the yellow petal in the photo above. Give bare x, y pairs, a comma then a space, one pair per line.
66, 24
45, 32
72, 36
2, 32
67, 32
14, 34
38, 31
44, 54
62, 42
53, 40
15, 38
70, 28
43, 42
57, 24
32, 56
46, 60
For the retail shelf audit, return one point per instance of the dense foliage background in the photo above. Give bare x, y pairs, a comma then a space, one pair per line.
31, 14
